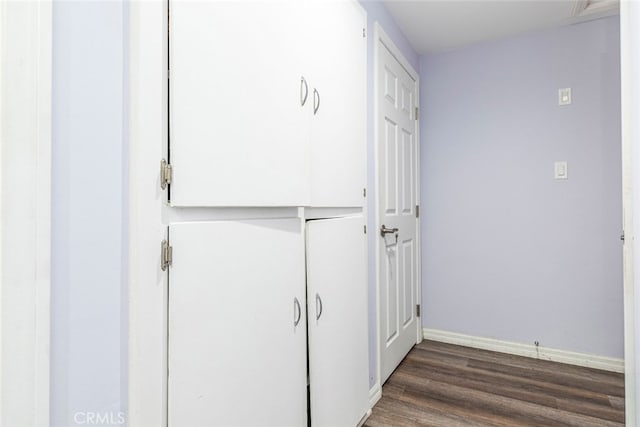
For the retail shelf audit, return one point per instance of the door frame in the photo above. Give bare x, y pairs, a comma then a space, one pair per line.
25, 211
630, 90
382, 40
147, 139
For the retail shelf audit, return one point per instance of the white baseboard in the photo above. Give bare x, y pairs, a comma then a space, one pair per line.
375, 394
528, 350
365, 418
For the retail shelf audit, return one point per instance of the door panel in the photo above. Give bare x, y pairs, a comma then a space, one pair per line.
338, 132
337, 304
235, 357
397, 174
239, 134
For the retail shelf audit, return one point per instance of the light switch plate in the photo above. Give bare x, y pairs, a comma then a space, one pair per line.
560, 170
564, 96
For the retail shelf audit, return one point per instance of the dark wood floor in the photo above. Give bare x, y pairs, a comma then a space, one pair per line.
445, 385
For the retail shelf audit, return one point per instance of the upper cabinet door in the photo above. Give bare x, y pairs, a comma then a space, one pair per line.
338, 92
239, 132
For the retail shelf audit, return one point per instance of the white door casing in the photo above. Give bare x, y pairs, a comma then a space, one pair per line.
337, 307
237, 324
397, 196
630, 91
25, 212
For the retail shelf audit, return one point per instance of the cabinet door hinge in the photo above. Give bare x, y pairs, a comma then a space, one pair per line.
365, 229
166, 174
364, 32
417, 113
418, 310
364, 192
417, 211
166, 255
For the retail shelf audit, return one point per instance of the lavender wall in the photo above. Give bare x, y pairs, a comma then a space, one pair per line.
376, 12
88, 283
509, 252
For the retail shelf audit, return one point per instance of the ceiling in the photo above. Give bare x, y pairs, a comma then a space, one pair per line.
441, 25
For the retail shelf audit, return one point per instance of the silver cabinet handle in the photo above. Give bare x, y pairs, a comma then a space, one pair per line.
297, 312
318, 306
316, 101
303, 94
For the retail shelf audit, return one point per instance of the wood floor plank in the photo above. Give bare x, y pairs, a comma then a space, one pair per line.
453, 410
479, 401
444, 385
617, 402
437, 415
598, 411
480, 383
557, 379
540, 365
497, 377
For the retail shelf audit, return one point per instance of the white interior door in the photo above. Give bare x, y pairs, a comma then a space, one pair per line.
396, 204
237, 324
337, 306
239, 103
338, 96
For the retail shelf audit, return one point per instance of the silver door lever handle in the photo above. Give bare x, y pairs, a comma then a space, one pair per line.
385, 230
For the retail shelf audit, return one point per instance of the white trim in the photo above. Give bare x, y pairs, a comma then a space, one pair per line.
380, 37
25, 221
628, 68
147, 145
375, 393
364, 418
526, 350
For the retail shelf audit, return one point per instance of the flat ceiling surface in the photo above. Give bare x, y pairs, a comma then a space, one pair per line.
441, 25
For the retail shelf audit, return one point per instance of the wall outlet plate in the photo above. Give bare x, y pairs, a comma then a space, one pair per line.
564, 96
560, 170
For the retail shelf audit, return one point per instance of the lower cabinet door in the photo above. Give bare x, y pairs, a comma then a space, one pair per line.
237, 324
337, 307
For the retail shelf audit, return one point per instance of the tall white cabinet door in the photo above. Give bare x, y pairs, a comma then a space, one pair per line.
239, 132
337, 306
338, 96
237, 332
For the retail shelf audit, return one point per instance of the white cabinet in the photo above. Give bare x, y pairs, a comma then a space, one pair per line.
237, 324
267, 103
338, 86
337, 307
237, 316
267, 108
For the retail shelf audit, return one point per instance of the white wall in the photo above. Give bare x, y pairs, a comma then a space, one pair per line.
88, 334
509, 252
